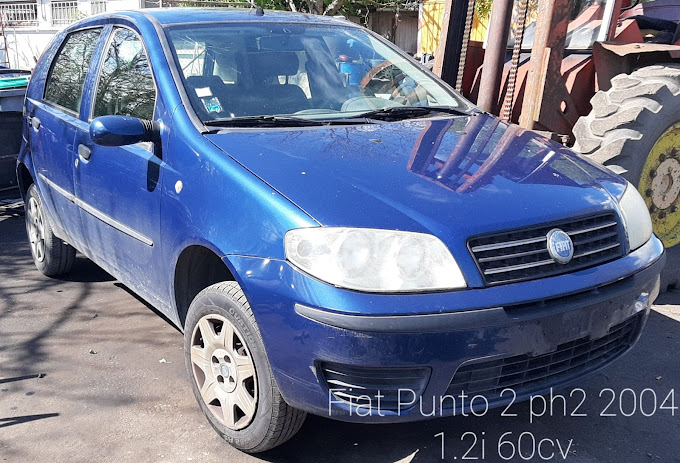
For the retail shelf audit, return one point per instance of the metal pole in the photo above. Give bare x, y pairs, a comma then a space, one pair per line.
603, 34
465, 43
16, 48
506, 112
494, 57
447, 54
545, 91
4, 38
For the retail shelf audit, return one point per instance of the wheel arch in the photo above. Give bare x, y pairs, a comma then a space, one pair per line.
612, 59
198, 266
25, 179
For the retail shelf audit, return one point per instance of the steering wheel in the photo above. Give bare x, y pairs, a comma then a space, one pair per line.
374, 72
387, 87
364, 103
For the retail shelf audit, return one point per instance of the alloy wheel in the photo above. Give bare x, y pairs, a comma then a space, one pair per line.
224, 371
36, 229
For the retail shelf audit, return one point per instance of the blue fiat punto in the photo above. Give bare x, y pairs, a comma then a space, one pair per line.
335, 230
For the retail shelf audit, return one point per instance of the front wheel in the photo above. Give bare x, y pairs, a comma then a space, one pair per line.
230, 373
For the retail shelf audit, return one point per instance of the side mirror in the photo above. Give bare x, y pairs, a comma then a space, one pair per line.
121, 130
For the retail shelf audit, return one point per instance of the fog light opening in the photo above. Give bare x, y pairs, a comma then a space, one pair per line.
642, 303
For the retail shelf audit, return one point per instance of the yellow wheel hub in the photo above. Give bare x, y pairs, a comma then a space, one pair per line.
660, 185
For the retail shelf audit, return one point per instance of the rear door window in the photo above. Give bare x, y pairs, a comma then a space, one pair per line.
69, 70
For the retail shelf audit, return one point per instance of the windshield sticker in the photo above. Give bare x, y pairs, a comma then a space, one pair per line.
212, 105
203, 92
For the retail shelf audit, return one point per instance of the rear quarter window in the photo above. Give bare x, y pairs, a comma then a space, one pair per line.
69, 69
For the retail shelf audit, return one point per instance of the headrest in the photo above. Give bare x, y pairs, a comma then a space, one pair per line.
204, 81
266, 64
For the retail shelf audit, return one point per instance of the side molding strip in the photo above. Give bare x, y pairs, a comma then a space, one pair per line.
438, 322
97, 213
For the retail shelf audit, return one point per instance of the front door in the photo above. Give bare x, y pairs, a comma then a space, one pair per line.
118, 188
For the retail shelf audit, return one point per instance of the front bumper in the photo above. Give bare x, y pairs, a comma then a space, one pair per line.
310, 328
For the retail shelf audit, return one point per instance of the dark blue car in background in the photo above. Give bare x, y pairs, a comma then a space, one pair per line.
334, 229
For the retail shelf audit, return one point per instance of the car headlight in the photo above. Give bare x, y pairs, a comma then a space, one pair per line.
374, 260
635, 217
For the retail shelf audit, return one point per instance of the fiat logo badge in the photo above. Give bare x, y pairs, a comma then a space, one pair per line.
560, 246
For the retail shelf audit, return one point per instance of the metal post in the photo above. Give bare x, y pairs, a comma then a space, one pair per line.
603, 34
465, 44
447, 55
4, 38
494, 57
545, 91
16, 49
506, 112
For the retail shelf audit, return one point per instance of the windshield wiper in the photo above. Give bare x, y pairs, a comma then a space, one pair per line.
263, 121
386, 114
395, 113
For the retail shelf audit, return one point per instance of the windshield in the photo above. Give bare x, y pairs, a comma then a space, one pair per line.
237, 70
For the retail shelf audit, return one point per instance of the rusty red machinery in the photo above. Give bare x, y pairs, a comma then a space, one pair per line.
602, 76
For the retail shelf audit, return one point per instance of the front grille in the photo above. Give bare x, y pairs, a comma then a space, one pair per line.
361, 386
523, 254
525, 374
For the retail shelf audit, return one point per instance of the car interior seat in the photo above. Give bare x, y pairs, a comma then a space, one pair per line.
268, 68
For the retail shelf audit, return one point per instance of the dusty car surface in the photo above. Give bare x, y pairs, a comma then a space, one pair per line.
334, 229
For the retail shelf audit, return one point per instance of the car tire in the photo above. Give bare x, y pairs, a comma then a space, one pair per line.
52, 255
634, 129
230, 372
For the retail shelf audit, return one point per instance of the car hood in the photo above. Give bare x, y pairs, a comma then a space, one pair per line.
454, 177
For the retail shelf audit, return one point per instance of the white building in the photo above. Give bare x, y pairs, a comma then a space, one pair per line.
30, 25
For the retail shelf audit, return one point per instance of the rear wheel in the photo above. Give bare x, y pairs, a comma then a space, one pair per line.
230, 373
634, 129
52, 255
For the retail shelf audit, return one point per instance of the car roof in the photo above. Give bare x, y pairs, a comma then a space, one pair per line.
184, 15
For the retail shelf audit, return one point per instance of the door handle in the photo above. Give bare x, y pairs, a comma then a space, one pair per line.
35, 122
84, 152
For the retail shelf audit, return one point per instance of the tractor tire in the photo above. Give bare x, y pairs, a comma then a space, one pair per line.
634, 129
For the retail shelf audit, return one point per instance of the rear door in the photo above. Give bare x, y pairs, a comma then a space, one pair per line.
118, 188
53, 127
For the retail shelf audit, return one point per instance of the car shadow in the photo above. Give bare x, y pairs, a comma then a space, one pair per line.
85, 271
14, 244
147, 305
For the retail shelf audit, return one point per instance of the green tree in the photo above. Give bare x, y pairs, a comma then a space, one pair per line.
333, 7
483, 8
